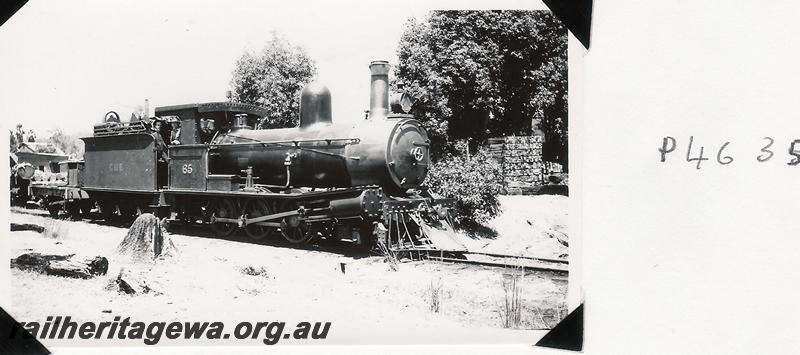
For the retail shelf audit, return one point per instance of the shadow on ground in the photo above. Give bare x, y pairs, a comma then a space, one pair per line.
203, 231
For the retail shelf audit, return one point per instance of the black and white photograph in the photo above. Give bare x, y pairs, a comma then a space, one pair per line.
425, 177
300, 173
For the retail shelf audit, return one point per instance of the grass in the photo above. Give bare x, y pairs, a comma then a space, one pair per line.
516, 313
548, 315
391, 258
54, 229
511, 305
435, 295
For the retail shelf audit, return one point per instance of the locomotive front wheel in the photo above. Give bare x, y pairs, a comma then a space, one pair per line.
299, 234
257, 208
224, 209
367, 237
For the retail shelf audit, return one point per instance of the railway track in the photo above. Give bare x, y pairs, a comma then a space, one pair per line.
553, 272
546, 260
554, 268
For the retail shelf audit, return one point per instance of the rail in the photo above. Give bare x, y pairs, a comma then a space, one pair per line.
511, 262
559, 272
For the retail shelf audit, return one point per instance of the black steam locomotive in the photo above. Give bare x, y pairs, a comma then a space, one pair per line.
359, 182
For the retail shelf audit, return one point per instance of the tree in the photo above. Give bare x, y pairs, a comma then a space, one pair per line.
487, 73
69, 144
274, 79
18, 136
13, 141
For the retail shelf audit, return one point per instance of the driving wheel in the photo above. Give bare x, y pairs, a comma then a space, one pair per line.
293, 229
224, 208
257, 208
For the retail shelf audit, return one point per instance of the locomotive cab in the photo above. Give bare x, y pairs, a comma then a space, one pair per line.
188, 167
201, 122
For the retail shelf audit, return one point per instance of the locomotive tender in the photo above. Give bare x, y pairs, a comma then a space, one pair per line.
351, 181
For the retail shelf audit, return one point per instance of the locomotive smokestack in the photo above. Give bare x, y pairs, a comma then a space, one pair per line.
379, 89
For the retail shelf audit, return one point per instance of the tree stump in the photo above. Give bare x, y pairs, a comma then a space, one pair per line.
146, 239
62, 265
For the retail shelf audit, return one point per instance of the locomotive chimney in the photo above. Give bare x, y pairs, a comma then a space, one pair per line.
379, 89
315, 105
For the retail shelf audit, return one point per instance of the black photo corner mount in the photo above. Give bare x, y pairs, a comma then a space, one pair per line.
16, 340
567, 335
576, 16
8, 8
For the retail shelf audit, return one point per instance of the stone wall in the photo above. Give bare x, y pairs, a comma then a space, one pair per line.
521, 160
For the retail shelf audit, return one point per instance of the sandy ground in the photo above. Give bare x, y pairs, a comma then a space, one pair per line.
367, 304
526, 226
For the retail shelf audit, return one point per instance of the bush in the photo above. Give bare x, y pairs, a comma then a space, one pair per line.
474, 183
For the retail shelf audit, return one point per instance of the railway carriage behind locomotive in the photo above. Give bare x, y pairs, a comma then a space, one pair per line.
354, 181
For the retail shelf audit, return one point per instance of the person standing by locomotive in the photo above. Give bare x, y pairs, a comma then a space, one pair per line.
175, 133
161, 147
206, 130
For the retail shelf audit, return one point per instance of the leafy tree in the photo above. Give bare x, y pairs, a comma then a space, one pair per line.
478, 74
14, 138
19, 136
69, 144
273, 79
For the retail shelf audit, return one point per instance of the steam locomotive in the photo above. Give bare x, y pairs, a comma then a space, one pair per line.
359, 182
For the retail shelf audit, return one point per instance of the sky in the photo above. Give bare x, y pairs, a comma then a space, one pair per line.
64, 64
